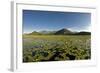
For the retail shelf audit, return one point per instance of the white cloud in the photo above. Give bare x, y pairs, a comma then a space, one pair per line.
77, 29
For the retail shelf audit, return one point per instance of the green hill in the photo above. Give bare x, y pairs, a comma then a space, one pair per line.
63, 32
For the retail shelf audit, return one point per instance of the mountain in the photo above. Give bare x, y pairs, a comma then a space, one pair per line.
47, 32
35, 33
63, 32
83, 33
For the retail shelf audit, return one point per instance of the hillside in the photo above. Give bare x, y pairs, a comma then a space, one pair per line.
63, 31
35, 33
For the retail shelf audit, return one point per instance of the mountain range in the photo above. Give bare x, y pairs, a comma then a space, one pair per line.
63, 31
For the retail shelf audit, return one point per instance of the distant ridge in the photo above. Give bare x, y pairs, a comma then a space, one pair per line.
83, 33
63, 31
35, 33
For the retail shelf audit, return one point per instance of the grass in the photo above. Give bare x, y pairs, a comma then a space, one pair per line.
38, 48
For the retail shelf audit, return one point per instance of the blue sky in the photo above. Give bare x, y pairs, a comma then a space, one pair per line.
51, 21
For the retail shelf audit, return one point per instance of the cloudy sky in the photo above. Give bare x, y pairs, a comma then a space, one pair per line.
52, 21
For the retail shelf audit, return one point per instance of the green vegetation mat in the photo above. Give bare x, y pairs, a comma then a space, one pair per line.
37, 48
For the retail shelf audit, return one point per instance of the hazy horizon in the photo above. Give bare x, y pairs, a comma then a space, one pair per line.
57, 30
34, 20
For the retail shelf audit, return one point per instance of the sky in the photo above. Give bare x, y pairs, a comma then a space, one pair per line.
52, 21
